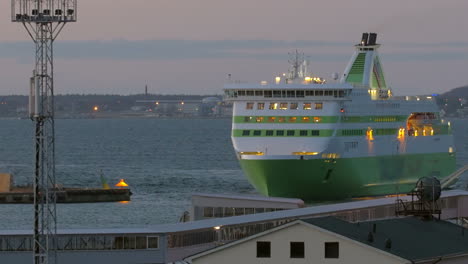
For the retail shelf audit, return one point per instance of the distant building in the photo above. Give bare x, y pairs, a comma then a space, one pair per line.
331, 240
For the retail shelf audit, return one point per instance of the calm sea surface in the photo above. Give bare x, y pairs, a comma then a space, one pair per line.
163, 160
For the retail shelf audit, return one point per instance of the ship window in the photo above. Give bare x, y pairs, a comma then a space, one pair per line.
292, 119
269, 133
317, 119
258, 93
319, 93
283, 106
307, 106
291, 133
340, 93
257, 133
273, 106
315, 133
318, 106
280, 132
293, 106
241, 93
299, 93
276, 93
332, 250
267, 93
291, 94
283, 93
249, 93
303, 133
328, 93
259, 119
263, 249
335, 93
309, 93
297, 250
247, 119
246, 132
261, 106
281, 119
249, 106
271, 119
305, 119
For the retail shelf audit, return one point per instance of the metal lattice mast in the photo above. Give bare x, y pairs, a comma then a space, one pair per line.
44, 20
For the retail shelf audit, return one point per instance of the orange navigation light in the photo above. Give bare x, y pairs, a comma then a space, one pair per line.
122, 183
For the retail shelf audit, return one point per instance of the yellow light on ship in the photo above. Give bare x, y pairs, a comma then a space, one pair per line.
96, 108
432, 132
370, 134
278, 80
217, 227
121, 183
307, 79
263, 82
182, 103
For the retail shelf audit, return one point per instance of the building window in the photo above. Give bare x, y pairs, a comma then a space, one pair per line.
249, 106
303, 133
263, 249
283, 106
246, 132
291, 132
293, 106
332, 250
269, 133
307, 106
315, 133
257, 132
261, 106
280, 132
153, 242
318, 106
297, 250
273, 106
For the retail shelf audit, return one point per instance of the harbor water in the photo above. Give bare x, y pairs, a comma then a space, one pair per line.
163, 160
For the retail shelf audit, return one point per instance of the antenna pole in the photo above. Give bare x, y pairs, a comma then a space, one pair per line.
43, 20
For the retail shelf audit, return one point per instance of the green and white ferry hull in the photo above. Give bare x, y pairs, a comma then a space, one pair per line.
304, 138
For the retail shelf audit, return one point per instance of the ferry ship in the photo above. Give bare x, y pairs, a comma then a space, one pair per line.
303, 137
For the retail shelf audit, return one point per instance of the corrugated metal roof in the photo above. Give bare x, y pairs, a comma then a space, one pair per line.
411, 238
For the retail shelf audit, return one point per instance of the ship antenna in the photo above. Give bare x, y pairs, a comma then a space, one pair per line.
295, 61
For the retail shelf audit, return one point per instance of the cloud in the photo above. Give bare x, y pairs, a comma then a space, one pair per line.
220, 49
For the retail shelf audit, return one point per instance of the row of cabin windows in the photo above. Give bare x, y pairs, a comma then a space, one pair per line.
297, 249
282, 119
289, 133
286, 93
284, 106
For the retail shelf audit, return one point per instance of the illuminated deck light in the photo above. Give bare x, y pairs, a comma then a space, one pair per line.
121, 183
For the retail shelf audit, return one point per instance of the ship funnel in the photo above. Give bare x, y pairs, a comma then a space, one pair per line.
369, 39
365, 69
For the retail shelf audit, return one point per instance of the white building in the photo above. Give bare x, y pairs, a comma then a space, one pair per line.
330, 240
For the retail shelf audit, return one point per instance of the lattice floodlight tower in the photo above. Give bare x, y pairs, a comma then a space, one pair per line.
44, 20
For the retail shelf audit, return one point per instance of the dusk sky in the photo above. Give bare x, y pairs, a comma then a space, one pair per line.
118, 46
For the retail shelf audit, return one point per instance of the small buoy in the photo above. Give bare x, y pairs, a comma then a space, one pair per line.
122, 183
